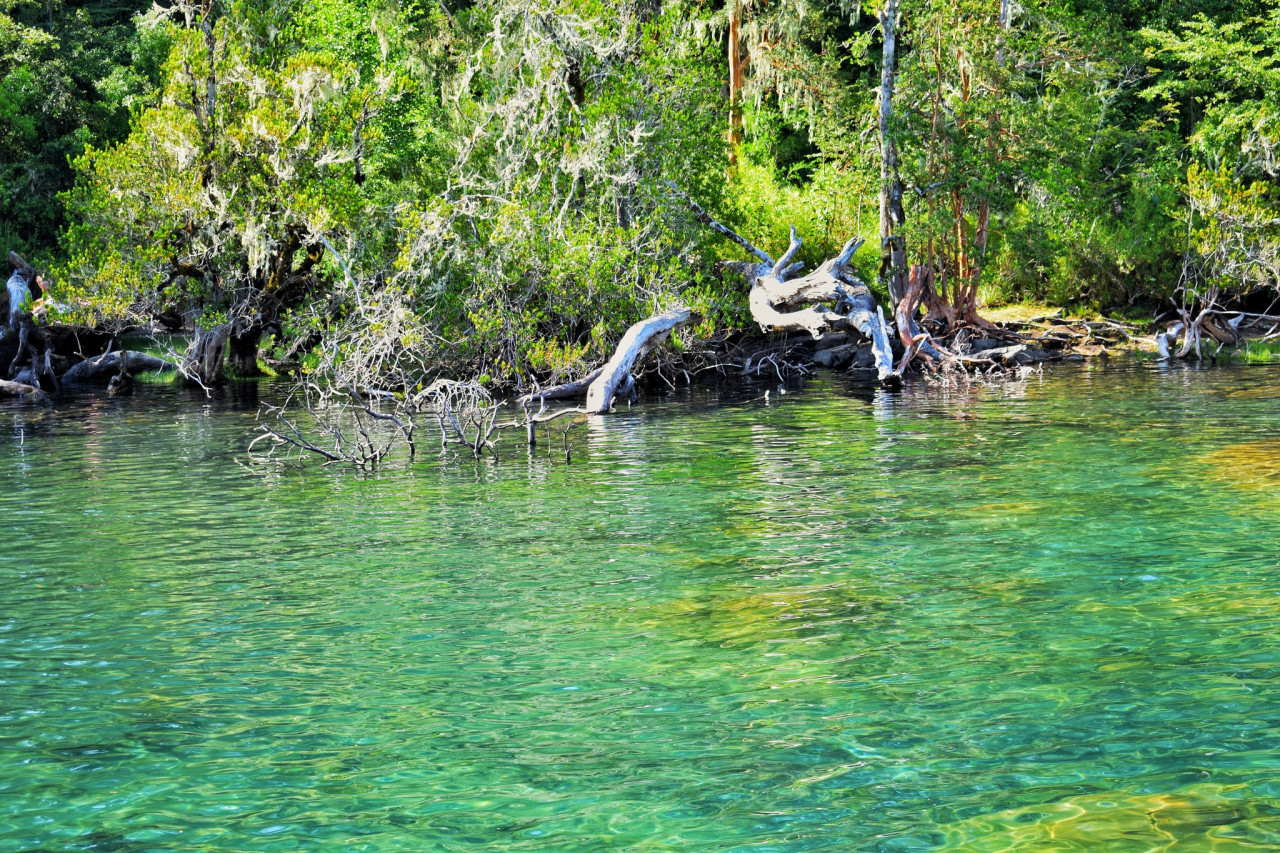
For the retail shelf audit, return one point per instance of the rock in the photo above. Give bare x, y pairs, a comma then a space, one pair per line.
836, 357
1031, 355
863, 357
832, 340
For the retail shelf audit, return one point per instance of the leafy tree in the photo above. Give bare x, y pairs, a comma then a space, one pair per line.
222, 201
1231, 73
70, 72
555, 231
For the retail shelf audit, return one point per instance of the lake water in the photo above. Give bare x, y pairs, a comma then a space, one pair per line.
1041, 616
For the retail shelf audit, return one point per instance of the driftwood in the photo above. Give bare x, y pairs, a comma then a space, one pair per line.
853, 303
565, 391
615, 377
1166, 339
22, 290
833, 298
99, 370
602, 385
23, 287
19, 389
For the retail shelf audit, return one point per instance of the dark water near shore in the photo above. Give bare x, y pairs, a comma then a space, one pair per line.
1042, 616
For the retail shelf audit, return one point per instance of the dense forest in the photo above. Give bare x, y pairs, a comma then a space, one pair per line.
498, 190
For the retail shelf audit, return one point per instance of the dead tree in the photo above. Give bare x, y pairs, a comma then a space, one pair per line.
616, 376
1205, 318
833, 298
465, 413
348, 425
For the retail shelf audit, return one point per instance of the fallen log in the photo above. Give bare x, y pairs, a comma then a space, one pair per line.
19, 389
564, 391
604, 384
616, 375
99, 370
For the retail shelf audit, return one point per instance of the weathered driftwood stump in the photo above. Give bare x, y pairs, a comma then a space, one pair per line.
833, 298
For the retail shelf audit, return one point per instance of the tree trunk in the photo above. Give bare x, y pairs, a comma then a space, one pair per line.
915, 341
242, 352
204, 360
735, 80
100, 369
22, 288
616, 376
893, 249
564, 391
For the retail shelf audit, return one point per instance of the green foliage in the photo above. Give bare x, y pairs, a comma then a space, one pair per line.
1232, 73
838, 202
245, 162
556, 232
69, 75
479, 187
1256, 352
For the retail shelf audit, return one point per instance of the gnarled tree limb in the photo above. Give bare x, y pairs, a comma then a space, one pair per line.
637, 341
833, 298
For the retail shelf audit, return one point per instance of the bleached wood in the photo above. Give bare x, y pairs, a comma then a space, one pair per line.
19, 389
852, 304
634, 345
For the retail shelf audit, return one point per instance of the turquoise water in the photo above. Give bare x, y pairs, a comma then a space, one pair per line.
1042, 616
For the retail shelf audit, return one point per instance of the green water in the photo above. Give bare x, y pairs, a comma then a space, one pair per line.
1035, 617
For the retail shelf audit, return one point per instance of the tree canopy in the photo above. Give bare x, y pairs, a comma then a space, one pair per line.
482, 187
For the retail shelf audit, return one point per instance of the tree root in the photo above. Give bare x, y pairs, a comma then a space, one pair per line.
833, 298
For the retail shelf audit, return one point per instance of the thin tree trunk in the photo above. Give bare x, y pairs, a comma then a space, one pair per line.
735, 80
1003, 22
893, 250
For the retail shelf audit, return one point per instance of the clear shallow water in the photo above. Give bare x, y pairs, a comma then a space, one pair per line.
1041, 617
